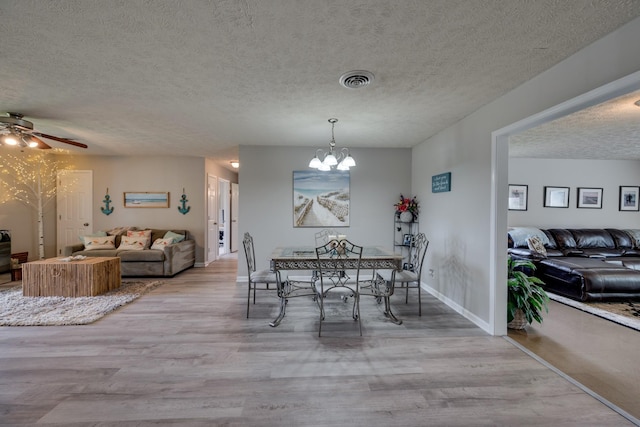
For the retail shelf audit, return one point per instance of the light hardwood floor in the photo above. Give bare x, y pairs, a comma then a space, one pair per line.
596, 352
185, 355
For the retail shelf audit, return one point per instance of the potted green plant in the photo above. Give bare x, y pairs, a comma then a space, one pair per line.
526, 299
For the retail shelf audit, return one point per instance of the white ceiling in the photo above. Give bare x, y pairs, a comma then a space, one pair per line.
202, 77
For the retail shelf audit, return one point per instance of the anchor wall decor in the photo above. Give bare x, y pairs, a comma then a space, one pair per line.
107, 201
183, 200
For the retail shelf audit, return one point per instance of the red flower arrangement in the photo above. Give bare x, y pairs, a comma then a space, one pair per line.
406, 204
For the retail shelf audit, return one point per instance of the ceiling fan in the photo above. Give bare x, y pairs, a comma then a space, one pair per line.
14, 130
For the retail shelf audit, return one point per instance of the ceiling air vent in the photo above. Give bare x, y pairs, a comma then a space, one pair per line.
356, 79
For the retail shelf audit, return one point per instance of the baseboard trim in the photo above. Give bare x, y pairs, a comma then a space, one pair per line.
458, 308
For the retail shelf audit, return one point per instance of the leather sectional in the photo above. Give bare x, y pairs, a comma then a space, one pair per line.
583, 264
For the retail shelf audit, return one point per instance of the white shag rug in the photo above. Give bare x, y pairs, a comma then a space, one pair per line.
17, 310
609, 311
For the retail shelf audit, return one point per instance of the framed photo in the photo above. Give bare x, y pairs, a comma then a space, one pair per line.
590, 198
321, 199
407, 239
629, 198
518, 197
146, 199
556, 197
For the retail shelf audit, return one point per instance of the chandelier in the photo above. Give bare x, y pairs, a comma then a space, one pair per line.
339, 159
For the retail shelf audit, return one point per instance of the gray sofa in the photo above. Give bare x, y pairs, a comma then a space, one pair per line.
167, 262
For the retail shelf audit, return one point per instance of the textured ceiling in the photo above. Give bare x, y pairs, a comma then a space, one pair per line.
203, 77
610, 130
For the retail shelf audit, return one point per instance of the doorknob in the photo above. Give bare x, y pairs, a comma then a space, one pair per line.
86, 224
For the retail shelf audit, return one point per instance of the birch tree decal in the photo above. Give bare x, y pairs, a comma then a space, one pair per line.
30, 178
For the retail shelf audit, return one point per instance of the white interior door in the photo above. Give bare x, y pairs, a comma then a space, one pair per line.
224, 219
235, 192
74, 196
212, 218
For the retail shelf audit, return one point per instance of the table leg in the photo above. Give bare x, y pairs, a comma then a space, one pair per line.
385, 289
283, 304
388, 313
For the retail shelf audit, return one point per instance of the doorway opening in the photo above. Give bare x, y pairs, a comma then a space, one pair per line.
224, 217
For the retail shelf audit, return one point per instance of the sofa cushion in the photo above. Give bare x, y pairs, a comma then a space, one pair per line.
102, 242
571, 264
621, 239
634, 233
552, 243
602, 252
592, 238
98, 253
563, 238
141, 256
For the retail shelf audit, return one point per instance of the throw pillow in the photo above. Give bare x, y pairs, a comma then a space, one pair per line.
521, 234
536, 245
177, 238
141, 233
119, 230
133, 243
99, 242
96, 234
161, 243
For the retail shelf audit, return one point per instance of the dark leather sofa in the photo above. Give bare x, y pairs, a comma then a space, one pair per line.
583, 264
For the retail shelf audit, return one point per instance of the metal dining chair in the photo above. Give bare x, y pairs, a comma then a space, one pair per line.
257, 277
410, 278
338, 269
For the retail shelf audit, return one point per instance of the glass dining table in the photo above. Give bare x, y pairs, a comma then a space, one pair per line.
303, 258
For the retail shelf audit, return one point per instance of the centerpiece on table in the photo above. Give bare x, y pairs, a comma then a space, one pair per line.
407, 209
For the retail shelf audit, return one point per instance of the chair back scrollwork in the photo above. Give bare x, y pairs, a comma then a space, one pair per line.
249, 252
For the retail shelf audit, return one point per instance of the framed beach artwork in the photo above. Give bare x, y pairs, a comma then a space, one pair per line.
321, 199
146, 199
629, 198
590, 198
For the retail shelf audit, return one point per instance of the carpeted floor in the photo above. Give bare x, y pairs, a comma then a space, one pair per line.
17, 310
626, 313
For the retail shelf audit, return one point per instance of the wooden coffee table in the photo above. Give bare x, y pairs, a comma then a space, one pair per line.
53, 277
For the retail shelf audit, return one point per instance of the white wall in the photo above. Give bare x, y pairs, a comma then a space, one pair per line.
266, 208
459, 223
606, 174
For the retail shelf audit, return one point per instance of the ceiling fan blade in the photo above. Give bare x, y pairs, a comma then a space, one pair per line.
55, 138
41, 144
